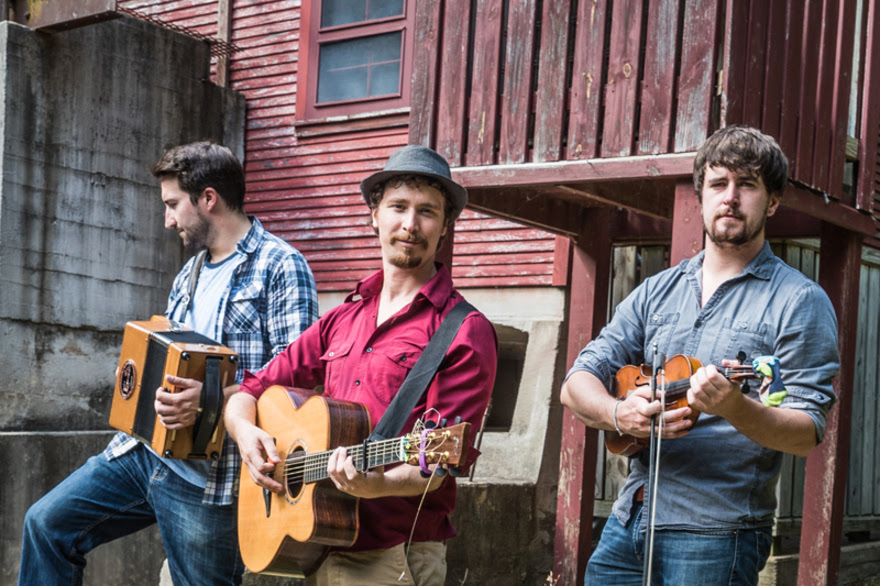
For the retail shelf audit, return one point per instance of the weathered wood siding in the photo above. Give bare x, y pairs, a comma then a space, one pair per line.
303, 181
632, 264
523, 81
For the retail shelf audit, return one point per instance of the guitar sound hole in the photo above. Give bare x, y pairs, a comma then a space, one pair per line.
294, 473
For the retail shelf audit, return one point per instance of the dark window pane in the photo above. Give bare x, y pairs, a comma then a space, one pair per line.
359, 68
340, 12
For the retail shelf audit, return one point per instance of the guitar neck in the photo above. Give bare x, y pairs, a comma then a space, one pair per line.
379, 453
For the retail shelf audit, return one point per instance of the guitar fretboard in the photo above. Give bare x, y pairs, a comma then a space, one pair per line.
313, 467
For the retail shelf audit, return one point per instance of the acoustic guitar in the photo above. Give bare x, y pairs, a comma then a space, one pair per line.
289, 533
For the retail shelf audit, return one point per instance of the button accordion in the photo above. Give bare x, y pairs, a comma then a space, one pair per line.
152, 349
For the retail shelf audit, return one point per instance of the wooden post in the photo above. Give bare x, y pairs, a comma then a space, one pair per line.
224, 28
444, 255
687, 224
588, 308
825, 483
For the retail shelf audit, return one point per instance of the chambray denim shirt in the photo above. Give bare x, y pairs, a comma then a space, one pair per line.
715, 478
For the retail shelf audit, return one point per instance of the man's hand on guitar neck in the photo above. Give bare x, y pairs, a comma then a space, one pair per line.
397, 481
257, 448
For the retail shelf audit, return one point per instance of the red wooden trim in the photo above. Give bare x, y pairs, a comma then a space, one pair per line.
697, 81
774, 67
624, 71
445, 253
736, 36
839, 110
657, 100
484, 88
562, 172
792, 81
825, 106
687, 224
588, 308
426, 64
869, 131
821, 532
833, 212
312, 35
451, 103
811, 47
753, 90
585, 100
561, 260
516, 103
550, 93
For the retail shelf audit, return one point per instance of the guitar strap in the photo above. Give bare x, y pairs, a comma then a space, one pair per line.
392, 422
194, 278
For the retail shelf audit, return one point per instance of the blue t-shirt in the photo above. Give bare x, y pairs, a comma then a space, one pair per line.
715, 477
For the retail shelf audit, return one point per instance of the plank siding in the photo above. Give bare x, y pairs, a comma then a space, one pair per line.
658, 86
516, 98
586, 98
303, 182
484, 95
624, 71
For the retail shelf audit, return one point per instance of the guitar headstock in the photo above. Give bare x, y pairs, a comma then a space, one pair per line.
447, 446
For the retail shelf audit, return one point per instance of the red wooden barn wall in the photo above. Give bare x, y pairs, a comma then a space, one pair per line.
303, 183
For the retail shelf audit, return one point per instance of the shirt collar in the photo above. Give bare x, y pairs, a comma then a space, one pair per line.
251, 240
437, 290
761, 266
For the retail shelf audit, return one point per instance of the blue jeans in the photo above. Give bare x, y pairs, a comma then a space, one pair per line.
105, 500
710, 558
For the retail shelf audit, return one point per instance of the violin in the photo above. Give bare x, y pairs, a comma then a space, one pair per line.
674, 378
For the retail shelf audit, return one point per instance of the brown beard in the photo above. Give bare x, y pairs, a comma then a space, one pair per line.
407, 258
738, 238
196, 237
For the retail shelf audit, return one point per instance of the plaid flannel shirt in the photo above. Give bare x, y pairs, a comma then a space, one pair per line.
271, 299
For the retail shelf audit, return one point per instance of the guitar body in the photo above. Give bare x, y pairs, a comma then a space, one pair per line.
290, 533
629, 378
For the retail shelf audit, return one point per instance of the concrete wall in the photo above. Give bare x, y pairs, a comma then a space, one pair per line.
82, 244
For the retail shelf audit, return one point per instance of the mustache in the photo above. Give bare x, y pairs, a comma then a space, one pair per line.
725, 211
409, 238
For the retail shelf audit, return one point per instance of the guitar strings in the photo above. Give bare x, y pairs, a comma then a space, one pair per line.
314, 466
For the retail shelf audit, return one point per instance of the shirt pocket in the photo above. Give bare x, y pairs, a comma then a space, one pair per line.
394, 364
658, 330
738, 335
334, 360
243, 310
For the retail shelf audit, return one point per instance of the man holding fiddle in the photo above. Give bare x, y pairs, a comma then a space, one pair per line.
716, 497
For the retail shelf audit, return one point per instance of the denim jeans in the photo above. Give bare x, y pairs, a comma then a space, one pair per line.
105, 500
710, 558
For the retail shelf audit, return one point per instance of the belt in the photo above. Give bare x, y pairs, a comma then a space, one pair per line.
640, 494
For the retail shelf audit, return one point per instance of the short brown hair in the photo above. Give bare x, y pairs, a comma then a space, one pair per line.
743, 148
200, 165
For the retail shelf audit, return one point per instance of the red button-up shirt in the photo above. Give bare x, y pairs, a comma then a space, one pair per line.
357, 361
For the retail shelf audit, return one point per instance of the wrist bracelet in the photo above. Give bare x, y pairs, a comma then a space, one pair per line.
614, 414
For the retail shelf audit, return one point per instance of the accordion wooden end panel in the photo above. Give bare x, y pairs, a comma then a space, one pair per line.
150, 350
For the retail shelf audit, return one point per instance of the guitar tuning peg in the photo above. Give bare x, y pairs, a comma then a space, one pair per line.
430, 424
458, 419
443, 422
424, 474
455, 471
440, 471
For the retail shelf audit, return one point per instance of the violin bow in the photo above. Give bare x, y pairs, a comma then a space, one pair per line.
653, 462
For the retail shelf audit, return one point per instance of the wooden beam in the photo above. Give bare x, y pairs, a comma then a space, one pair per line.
687, 224
652, 198
570, 172
809, 202
825, 483
224, 33
532, 207
588, 308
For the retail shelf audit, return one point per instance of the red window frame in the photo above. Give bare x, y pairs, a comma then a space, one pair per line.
312, 36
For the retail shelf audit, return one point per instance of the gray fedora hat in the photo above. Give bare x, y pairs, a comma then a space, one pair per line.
418, 160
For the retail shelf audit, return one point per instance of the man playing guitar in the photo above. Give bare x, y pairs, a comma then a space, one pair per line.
361, 352
716, 478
